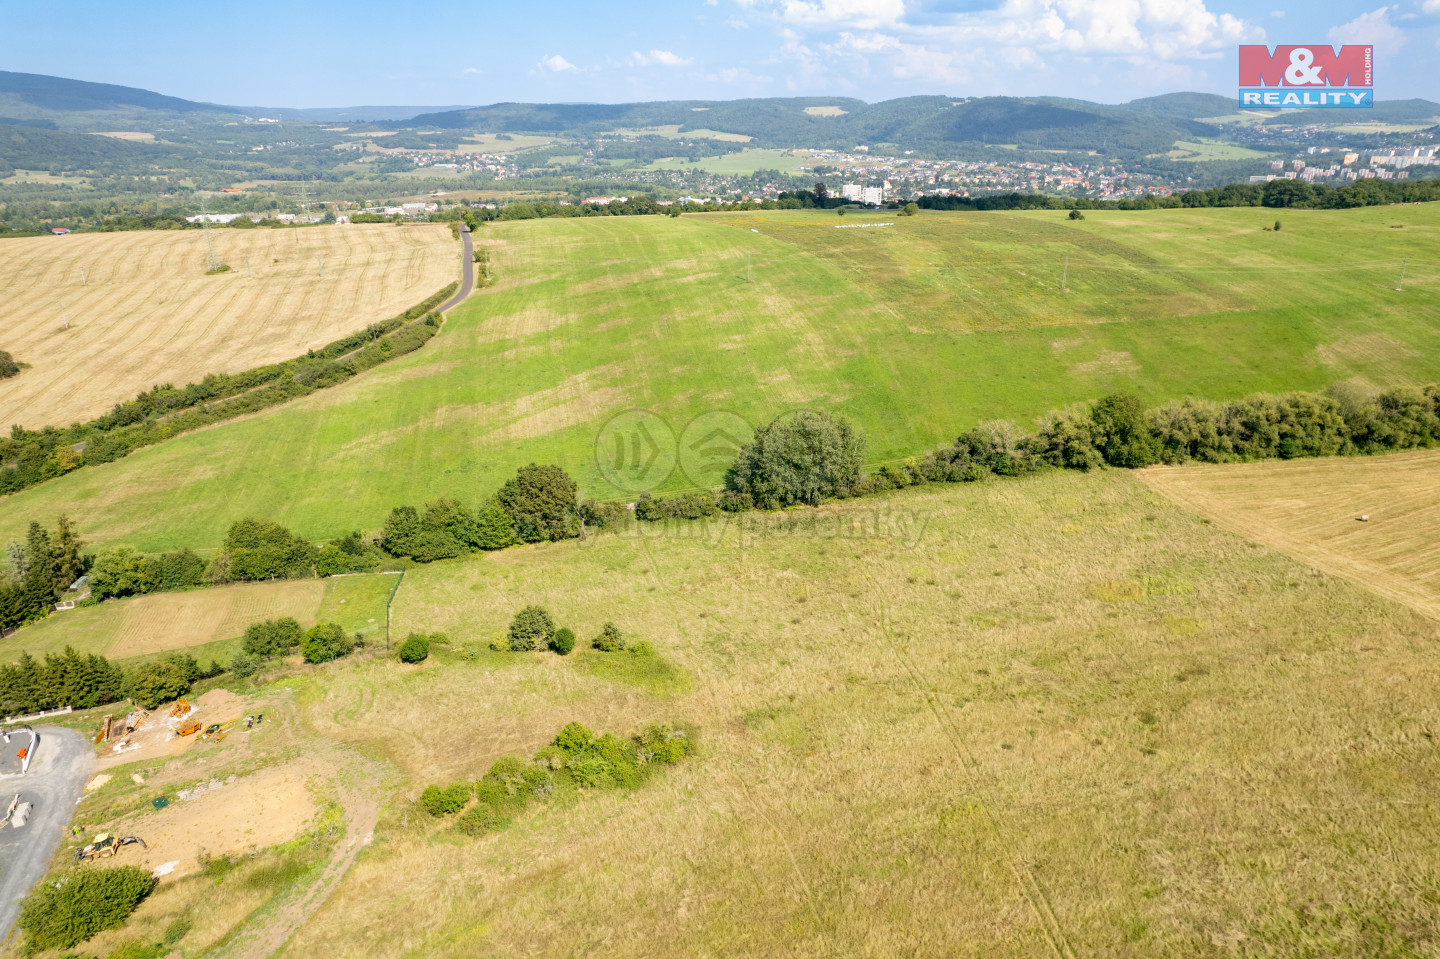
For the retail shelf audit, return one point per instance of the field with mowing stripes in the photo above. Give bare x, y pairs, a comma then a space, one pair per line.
915, 330
1313, 509
205, 622
103, 316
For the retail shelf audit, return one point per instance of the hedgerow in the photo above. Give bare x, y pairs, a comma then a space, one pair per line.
576, 758
34, 456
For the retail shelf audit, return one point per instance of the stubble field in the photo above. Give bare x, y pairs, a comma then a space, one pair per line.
103, 316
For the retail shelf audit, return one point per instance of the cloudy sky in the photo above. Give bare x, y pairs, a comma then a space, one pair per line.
441, 52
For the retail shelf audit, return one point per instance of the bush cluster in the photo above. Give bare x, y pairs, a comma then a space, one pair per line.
537, 505
575, 757
273, 637
8, 366
326, 641
34, 456
563, 642
59, 913
166, 678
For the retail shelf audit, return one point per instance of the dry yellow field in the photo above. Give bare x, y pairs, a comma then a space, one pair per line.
1312, 509
162, 622
103, 316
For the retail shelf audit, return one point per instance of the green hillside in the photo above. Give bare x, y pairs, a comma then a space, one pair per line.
915, 330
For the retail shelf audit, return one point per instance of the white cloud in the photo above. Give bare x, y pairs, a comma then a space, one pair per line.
661, 58
742, 25
864, 14
557, 64
1431, 6
1373, 27
472, 70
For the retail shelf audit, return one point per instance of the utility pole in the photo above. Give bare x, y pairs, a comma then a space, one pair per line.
320, 259
487, 265
1065, 277
82, 276
212, 262
1399, 286
247, 269
747, 267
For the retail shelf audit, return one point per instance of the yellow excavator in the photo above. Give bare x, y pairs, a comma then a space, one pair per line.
105, 845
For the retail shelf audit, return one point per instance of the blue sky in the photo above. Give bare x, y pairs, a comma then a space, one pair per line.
306, 54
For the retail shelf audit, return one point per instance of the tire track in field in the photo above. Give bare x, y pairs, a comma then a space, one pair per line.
800, 877
1024, 874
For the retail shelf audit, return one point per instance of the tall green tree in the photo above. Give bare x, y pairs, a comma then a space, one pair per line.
801, 458
541, 501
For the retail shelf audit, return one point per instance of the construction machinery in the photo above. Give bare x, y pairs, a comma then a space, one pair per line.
181, 708
104, 846
188, 728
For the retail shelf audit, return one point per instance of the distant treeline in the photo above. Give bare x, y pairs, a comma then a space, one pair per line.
28, 457
1276, 193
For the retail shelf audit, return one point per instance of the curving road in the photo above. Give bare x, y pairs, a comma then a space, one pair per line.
467, 272
62, 760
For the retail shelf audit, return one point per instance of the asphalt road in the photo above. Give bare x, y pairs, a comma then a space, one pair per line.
467, 273
61, 762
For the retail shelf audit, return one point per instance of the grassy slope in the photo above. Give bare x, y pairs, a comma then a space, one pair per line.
905, 749
915, 330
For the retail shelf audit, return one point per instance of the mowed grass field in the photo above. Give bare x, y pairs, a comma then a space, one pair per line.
205, 622
1375, 521
1053, 716
102, 316
915, 331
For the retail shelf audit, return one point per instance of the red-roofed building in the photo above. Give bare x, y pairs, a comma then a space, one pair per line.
59, 230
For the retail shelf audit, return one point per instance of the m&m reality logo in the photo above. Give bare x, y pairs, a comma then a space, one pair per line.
1308, 77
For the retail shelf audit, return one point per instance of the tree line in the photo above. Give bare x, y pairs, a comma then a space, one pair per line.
38, 571
30, 457
1277, 194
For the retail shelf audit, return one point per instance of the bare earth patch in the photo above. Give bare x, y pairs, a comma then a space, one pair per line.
251, 813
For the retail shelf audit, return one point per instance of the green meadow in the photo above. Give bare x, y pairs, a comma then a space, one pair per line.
915, 330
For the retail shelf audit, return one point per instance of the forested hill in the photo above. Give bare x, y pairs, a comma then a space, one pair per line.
35, 97
1041, 122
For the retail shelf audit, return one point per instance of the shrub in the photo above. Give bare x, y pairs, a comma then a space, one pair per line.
482, 818
531, 628
243, 666
495, 528
324, 642
8, 366
541, 503
1076, 215
601, 515
415, 649
574, 738
610, 640
58, 914
664, 743
563, 641
803, 458
445, 800
169, 677
272, 637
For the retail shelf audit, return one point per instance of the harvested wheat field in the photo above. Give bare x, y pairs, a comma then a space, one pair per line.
1373, 520
100, 317
162, 622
